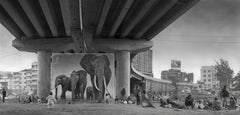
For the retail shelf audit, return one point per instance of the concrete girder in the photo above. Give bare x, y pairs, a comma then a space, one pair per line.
34, 45
154, 18
113, 45
7, 21
49, 15
128, 26
120, 17
63, 44
33, 16
64, 4
103, 16
160, 26
16, 14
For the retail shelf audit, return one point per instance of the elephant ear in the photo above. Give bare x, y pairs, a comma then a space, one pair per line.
86, 63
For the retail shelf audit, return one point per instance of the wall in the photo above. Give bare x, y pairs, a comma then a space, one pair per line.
64, 64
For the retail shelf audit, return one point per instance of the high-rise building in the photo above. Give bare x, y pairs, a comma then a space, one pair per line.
142, 62
208, 77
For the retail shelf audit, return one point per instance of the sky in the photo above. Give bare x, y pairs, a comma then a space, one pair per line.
204, 34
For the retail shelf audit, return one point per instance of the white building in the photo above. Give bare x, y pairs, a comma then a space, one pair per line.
6, 80
208, 78
26, 79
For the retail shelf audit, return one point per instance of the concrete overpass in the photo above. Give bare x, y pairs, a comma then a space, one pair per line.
122, 27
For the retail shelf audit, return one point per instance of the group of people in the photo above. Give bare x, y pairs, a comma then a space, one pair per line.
228, 102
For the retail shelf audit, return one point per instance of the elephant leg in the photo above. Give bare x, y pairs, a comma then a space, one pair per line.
63, 95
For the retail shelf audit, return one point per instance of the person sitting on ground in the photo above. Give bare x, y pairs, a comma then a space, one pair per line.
189, 101
116, 100
200, 105
50, 100
233, 102
174, 104
216, 105
163, 101
107, 98
145, 100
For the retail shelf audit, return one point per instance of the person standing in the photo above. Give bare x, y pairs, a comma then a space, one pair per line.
4, 94
224, 95
123, 92
189, 101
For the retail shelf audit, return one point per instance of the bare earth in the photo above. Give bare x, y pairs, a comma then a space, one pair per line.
98, 109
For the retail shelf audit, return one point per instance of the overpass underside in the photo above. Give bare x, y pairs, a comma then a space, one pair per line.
123, 27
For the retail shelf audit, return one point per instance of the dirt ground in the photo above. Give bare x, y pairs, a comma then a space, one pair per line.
12, 107
98, 109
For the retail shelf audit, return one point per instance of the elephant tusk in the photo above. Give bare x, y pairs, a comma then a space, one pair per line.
95, 84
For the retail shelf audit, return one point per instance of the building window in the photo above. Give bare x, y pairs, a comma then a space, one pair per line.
209, 71
204, 80
209, 75
204, 75
209, 80
204, 71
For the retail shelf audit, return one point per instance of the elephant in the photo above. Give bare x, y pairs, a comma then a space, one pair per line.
79, 84
65, 82
89, 92
98, 67
76, 83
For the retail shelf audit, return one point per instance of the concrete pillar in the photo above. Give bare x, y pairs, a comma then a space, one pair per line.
122, 72
44, 77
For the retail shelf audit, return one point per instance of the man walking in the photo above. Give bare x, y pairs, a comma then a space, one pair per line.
3, 95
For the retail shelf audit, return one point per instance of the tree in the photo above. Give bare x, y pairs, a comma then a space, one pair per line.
224, 72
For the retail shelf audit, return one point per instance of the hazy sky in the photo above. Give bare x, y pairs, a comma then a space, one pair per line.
207, 32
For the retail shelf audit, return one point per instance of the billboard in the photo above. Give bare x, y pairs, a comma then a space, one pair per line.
175, 64
67, 64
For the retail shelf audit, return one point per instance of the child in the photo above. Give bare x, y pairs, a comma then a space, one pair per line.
50, 100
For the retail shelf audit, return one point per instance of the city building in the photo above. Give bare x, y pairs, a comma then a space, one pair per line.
26, 79
176, 73
142, 62
208, 77
6, 80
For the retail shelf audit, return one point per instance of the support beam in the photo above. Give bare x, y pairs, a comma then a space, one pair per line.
78, 40
33, 16
44, 77
127, 27
154, 18
103, 17
160, 27
120, 17
123, 72
16, 14
49, 15
34, 45
112, 45
7, 21
64, 4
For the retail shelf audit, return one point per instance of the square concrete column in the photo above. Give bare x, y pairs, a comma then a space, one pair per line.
122, 72
44, 77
